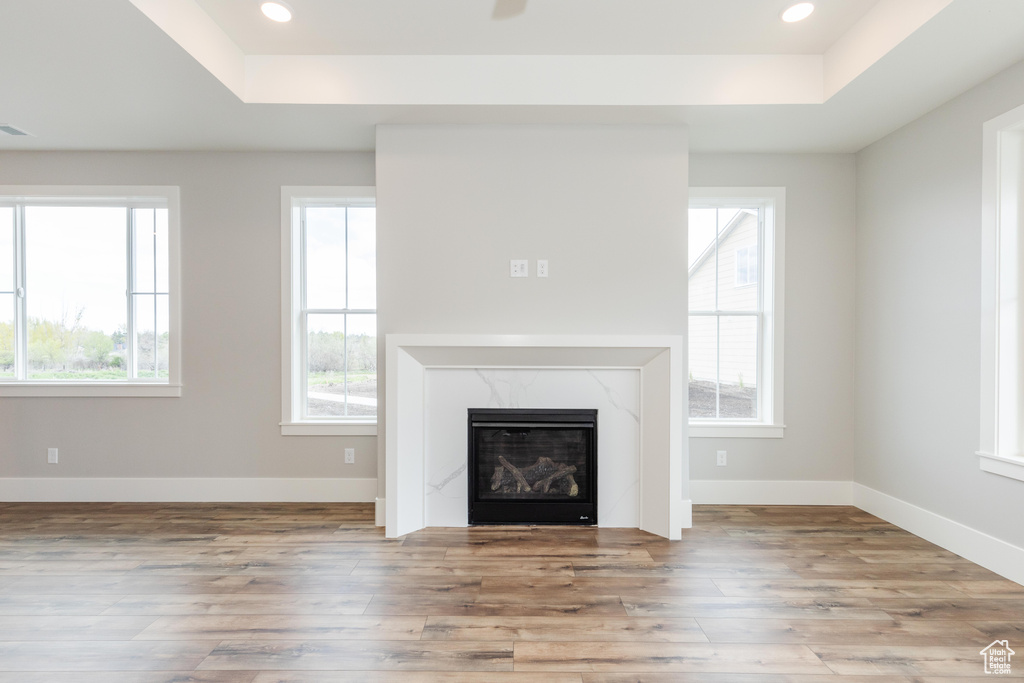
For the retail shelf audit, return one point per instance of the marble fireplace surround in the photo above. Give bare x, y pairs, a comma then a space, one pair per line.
636, 382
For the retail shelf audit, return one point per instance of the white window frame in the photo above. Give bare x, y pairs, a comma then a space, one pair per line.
119, 196
771, 284
1001, 442
292, 362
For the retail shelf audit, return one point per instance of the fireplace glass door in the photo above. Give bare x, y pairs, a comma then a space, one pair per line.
532, 466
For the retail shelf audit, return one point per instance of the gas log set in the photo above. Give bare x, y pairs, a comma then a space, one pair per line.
544, 476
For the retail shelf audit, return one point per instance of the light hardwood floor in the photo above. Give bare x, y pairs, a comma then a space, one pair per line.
303, 593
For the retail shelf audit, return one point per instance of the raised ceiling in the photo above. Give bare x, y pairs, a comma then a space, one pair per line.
214, 75
547, 27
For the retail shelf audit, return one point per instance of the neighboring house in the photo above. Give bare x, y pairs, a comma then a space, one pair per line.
736, 271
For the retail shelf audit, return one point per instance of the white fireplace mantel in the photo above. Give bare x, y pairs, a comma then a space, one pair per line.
658, 359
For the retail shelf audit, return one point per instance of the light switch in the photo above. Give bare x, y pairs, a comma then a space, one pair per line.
519, 268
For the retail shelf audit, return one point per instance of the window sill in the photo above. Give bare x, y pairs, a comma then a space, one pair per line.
93, 389
1002, 465
328, 429
706, 430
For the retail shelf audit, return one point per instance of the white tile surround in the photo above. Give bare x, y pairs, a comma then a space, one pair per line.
635, 383
453, 391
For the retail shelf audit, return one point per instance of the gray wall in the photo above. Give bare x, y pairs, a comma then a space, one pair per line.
918, 314
226, 422
606, 205
819, 318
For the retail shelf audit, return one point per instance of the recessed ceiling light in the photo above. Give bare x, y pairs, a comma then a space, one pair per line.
277, 11
798, 12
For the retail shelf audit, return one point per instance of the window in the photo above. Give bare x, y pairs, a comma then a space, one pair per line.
1001, 448
329, 327
735, 304
746, 266
88, 291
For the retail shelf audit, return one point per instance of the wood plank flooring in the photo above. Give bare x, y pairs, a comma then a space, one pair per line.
302, 593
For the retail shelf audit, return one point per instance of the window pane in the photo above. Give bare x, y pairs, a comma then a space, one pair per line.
147, 332
143, 238
738, 263
75, 277
163, 335
325, 359
6, 285
703, 360
6, 335
151, 255
325, 257
362, 365
362, 258
702, 227
738, 367
6, 249
163, 254
334, 388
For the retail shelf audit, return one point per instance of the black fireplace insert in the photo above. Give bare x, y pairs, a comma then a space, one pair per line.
532, 466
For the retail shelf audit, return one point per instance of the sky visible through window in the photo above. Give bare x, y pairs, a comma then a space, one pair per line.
75, 261
325, 258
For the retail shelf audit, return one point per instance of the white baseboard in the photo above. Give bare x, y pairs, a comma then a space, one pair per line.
186, 490
999, 556
379, 511
797, 492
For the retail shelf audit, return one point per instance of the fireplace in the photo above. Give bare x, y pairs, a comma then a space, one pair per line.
637, 383
532, 466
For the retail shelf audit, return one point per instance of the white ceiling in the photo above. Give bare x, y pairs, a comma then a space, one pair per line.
547, 27
104, 75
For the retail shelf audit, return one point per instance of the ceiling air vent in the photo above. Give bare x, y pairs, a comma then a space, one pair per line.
11, 130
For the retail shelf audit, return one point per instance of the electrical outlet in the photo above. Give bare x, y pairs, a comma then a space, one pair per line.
519, 268
350, 456
542, 268
51, 456
721, 458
